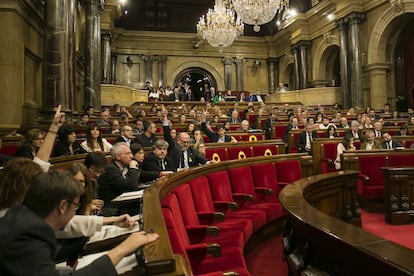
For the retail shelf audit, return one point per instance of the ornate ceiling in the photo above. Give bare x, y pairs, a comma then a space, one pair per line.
183, 15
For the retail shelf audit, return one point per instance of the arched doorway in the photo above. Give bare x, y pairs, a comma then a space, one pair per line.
332, 65
197, 78
404, 63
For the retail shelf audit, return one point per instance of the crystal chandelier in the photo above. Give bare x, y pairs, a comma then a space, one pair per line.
220, 27
258, 12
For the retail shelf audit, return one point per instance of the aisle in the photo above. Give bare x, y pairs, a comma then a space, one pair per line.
266, 259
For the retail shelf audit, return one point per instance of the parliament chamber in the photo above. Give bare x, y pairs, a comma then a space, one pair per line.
142, 61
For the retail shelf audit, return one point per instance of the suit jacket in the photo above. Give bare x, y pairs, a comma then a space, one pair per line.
377, 145
62, 149
121, 138
174, 152
268, 127
113, 184
302, 140
288, 129
146, 141
349, 133
29, 246
394, 144
214, 137
237, 121
152, 164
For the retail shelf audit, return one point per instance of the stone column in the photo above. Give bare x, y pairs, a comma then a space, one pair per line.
106, 57
114, 57
60, 55
228, 62
92, 52
378, 81
239, 73
148, 61
161, 70
342, 26
303, 46
273, 73
355, 20
297, 60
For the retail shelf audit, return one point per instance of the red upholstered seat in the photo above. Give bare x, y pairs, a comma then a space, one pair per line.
288, 171
218, 154
293, 148
264, 176
328, 156
371, 184
221, 190
241, 180
197, 256
204, 205
264, 150
234, 153
280, 131
225, 236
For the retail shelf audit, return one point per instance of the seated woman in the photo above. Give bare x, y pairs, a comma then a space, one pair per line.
139, 155
94, 140
331, 132
347, 144
67, 144
33, 139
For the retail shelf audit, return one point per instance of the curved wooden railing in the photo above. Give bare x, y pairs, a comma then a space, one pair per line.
319, 237
159, 256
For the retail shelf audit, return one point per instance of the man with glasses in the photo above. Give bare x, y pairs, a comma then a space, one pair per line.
126, 136
120, 176
28, 231
180, 151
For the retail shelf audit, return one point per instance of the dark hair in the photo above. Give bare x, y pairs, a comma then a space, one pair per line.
15, 180
96, 159
87, 197
89, 141
64, 132
49, 189
346, 141
219, 126
147, 125
135, 147
329, 129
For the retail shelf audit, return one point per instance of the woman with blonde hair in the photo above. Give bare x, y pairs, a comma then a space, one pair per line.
33, 139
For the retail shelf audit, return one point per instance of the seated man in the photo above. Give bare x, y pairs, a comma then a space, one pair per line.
126, 136
158, 161
220, 135
370, 143
148, 137
388, 143
28, 240
306, 139
120, 176
244, 126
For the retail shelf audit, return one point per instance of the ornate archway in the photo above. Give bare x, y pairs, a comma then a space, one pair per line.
197, 78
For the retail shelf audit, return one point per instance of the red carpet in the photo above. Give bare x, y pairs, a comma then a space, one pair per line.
266, 259
401, 234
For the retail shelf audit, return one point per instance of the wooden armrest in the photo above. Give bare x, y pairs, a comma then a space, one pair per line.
214, 249
225, 205
364, 177
264, 190
329, 161
245, 197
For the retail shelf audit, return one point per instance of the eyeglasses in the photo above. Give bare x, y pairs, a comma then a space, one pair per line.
39, 138
77, 205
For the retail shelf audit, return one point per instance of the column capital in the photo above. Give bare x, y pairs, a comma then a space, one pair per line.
272, 60
304, 43
356, 18
239, 60
162, 59
227, 60
342, 24
106, 35
149, 59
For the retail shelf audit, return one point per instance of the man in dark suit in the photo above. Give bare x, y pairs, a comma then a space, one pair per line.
293, 125
268, 125
234, 119
158, 161
180, 151
148, 138
219, 136
120, 176
355, 132
126, 135
388, 143
306, 139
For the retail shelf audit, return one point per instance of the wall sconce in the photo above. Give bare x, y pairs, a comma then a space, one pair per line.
257, 63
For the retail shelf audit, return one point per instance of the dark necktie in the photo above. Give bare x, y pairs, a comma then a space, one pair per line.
182, 160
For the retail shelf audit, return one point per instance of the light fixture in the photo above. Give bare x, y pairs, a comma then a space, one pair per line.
259, 12
220, 27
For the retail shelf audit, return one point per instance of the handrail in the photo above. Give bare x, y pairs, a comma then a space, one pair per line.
334, 242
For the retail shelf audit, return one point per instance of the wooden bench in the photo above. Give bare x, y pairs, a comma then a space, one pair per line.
369, 163
159, 204
317, 239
